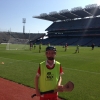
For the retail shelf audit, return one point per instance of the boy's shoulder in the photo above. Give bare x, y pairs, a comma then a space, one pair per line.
57, 62
42, 62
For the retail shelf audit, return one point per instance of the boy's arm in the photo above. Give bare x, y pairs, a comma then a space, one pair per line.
60, 80
60, 87
60, 77
36, 85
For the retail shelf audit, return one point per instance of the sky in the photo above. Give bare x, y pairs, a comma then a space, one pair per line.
13, 11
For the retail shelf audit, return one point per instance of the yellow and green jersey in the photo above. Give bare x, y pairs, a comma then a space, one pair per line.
49, 78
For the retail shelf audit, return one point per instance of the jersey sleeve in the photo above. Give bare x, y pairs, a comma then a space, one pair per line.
61, 70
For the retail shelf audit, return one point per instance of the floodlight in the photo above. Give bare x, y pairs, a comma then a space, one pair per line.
91, 6
53, 13
64, 11
43, 14
76, 8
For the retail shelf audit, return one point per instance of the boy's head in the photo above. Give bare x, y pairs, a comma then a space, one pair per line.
50, 52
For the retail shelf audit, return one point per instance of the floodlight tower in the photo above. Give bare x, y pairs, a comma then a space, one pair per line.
24, 21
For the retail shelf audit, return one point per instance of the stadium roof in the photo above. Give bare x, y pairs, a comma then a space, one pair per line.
77, 12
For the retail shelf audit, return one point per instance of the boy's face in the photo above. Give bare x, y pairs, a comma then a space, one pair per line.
50, 54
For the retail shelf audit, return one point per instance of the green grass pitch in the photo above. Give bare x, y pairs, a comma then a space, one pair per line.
83, 69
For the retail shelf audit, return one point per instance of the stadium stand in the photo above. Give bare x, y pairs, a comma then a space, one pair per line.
5, 36
77, 26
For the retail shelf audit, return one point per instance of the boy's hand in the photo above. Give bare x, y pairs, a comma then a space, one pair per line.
60, 88
37, 93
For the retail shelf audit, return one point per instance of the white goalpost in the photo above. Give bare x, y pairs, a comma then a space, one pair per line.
17, 44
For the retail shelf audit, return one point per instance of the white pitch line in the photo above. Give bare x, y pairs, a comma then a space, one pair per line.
18, 60
82, 70
63, 67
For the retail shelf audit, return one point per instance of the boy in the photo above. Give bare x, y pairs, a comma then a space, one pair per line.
66, 46
31, 45
77, 49
40, 46
34, 45
48, 76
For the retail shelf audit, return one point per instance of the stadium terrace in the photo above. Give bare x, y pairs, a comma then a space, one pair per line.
77, 26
